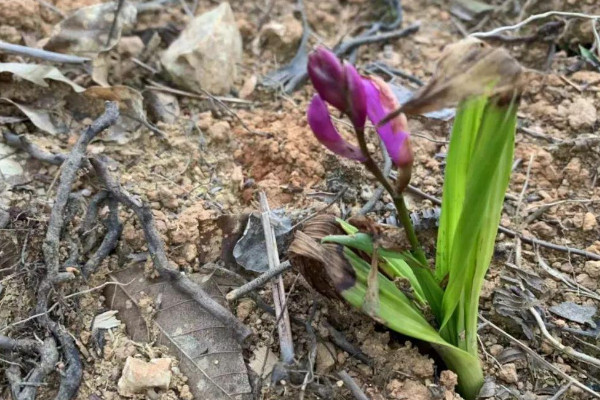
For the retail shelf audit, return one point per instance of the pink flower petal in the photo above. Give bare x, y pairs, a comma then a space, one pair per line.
394, 134
320, 123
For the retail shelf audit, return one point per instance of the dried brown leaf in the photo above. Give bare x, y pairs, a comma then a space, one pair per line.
209, 355
86, 32
323, 266
465, 69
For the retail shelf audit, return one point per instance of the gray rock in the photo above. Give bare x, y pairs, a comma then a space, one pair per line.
206, 53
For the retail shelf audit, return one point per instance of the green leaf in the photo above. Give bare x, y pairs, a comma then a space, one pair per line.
589, 56
474, 236
464, 133
347, 227
421, 279
397, 312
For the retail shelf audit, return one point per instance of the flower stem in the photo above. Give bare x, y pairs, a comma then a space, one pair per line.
398, 199
404, 216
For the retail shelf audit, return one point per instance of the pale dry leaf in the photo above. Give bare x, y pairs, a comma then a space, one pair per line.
209, 355
100, 68
467, 68
41, 118
85, 33
38, 74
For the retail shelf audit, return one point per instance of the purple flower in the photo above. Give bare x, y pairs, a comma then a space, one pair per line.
327, 76
357, 102
338, 84
358, 97
320, 123
380, 102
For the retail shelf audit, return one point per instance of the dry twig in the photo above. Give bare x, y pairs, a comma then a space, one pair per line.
354, 388
540, 359
41, 54
569, 351
260, 281
159, 257
532, 18
283, 320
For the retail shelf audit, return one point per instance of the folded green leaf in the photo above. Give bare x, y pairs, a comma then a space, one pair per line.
403, 265
470, 251
397, 312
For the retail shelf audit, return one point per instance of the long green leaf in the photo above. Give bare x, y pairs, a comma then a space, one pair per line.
464, 133
476, 228
421, 278
397, 312
506, 117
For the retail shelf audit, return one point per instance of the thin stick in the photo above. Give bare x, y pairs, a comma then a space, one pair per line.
41, 54
349, 45
284, 329
561, 391
18, 345
21, 142
532, 18
160, 88
524, 190
539, 358
258, 282
348, 381
113, 26
538, 135
571, 352
565, 279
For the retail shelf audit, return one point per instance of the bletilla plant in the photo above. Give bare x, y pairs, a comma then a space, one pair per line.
483, 82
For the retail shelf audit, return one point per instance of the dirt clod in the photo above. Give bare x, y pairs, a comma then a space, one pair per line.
508, 373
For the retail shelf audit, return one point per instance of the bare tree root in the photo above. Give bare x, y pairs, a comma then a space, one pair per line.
114, 228
26, 390
66, 206
159, 257
69, 384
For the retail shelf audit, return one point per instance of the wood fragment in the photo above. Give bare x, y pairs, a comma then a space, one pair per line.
283, 320
259, 281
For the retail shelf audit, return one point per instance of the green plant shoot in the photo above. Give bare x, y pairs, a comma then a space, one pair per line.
477, 174
484, 83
